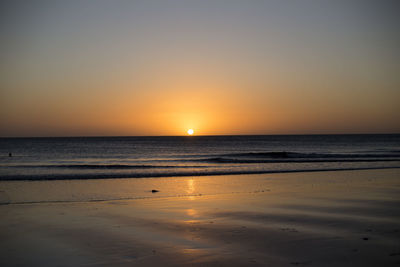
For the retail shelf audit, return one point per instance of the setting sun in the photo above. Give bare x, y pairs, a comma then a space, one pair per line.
190, 132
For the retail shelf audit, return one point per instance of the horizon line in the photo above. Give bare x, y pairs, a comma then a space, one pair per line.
192, 136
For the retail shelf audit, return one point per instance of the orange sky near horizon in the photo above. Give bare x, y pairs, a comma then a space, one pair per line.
219, 68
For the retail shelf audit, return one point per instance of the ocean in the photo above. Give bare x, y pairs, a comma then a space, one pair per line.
142, 157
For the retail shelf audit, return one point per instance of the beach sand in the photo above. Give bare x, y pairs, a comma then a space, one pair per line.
341, 218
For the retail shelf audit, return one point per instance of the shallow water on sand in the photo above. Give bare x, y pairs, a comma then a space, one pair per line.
12, 192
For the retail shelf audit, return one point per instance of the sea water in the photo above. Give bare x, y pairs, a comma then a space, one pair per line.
141, 157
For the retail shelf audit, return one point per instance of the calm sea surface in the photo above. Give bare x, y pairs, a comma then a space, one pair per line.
140, 157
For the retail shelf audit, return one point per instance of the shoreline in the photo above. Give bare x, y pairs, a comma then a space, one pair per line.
187, 174
99, 190
155, 196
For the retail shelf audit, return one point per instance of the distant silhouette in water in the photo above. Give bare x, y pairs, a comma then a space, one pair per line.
9, 154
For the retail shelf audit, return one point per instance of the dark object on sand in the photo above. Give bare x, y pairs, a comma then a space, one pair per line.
9, 154
365, 238
154, 191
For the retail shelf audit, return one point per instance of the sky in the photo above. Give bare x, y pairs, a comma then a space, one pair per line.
125, 68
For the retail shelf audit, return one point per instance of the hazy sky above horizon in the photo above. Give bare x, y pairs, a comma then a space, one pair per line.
73, 68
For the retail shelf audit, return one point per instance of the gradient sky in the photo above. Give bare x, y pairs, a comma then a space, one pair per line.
75, 68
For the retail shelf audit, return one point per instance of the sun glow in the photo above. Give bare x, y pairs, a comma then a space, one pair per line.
190, 132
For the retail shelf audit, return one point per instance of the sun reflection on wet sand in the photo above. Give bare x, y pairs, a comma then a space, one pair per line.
191, 186
192, 213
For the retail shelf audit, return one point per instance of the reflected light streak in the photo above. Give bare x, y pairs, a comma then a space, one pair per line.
192, 212
191, 186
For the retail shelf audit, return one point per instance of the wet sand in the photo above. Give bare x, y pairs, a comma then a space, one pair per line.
342, 218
